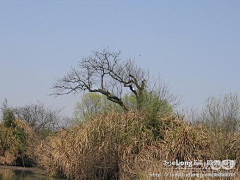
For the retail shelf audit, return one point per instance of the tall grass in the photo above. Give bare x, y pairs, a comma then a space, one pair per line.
116, 146
126, 146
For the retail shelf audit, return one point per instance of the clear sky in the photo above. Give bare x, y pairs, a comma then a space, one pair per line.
195, 44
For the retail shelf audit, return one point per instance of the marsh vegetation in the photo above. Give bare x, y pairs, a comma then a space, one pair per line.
124, 127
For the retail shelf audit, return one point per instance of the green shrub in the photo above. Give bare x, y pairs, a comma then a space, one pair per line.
17, 144
8, 117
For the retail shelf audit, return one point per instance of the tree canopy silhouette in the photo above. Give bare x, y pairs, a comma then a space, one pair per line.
106, 73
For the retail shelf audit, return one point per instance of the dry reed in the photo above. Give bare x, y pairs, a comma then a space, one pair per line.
124, 146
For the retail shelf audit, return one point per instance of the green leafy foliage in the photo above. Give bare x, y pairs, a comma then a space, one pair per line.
15, 144
151, 102
91, 105
8, 117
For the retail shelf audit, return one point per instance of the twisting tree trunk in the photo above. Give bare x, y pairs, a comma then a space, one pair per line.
104, 73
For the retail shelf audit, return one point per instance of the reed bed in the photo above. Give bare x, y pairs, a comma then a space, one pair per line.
126, 146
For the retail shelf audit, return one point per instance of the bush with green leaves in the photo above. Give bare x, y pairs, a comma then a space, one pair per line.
16, 144
93, 104
8, 117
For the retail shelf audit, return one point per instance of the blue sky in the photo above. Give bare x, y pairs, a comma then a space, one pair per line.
195, 45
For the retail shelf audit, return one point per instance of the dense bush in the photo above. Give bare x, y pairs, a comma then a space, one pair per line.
8, 117
94, 104
16, 144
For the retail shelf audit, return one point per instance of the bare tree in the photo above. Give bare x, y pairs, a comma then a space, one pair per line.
104, 73
38, 116
222, 113
4, 106
161, 90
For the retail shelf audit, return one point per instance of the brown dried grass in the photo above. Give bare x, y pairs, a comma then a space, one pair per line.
123, 146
